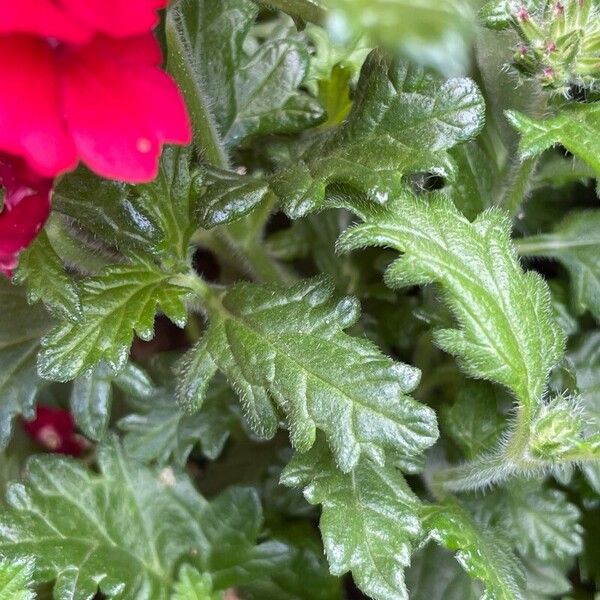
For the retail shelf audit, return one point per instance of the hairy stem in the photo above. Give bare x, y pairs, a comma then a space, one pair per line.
206, 135
519, 177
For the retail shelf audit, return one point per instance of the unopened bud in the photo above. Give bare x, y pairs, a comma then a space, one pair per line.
559, 9
548, 73
551, 46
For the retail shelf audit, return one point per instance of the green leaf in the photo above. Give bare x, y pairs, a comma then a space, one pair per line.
304, 575
21, 328
192, 585
474, 421
539, 521
585, 356
154, 220
256, 92
434, 574
472, 188
576, 127
122, 300
402, 121
160, 431
285, 353
125, 530
91, 399
369, 520
43, 273
483, 553
430, 32
506, 332
575, 242
16, 579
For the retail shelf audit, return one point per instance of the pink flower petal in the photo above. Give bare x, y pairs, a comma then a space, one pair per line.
120, 108
26, 208
117, 18
31, 125
44, 18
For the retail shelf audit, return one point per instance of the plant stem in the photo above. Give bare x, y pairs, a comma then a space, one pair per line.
204, 126
519, 182
307, 10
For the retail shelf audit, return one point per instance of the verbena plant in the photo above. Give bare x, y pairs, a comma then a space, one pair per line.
383, 255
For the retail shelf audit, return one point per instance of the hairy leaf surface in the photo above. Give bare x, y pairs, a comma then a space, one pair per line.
482, 553
124, 530
402, 121
506, 333
246, 94
284, 352
123, 300
576, 127
369, 521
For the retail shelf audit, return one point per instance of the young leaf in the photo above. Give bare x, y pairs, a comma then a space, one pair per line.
284, 352
125, 530
256, 92
122, 300
576, 244
484, 554
21, 328
160, 431
43, 273
540, 522
576, 127
402, 121
369, 520
16, 579
506, 332
192, 585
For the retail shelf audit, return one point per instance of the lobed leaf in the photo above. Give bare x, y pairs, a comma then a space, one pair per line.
575, 242
576, 127
46, 280
369, 521
285, 353
125, 530
159, 430
21, 329
507, 333
539, 521
484, 554
123, 300
238, 93
402, 121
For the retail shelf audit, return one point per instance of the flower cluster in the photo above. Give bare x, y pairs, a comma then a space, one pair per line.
81, 81
559, 40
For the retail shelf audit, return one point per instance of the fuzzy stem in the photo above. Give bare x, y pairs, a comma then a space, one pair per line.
206, 135
519, 184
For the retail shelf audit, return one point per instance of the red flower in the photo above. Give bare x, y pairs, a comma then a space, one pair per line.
26, 200
54, 429
81, 81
